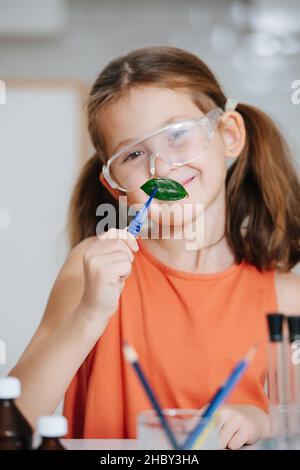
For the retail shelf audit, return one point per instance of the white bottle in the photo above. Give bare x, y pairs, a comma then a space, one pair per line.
51, 428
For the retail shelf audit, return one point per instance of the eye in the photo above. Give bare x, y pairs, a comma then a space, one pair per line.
132, 156
177, 134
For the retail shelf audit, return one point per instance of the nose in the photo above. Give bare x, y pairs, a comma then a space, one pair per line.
159, 165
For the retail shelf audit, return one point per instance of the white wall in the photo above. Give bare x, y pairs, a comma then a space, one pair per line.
98, 30
40, 149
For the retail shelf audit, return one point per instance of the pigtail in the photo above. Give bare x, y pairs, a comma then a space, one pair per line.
263, 197
88, 194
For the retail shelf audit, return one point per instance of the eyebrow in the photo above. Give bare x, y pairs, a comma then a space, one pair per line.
162, 124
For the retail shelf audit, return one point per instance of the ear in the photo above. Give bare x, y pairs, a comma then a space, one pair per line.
233, 133
116, 193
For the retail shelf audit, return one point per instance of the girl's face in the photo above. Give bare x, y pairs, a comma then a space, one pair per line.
145, 109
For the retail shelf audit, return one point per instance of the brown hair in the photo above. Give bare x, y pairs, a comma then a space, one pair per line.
262, 186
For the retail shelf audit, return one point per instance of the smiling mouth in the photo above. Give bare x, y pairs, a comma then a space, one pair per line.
184, 183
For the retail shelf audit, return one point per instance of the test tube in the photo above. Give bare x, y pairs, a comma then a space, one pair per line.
277, 378
277, 374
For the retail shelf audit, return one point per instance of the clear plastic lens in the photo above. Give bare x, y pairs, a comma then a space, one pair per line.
178, 144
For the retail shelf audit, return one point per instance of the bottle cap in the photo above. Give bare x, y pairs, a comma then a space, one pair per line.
10, 388
294, 328
275, 323
52, 426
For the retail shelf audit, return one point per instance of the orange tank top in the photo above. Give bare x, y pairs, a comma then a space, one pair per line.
189, 330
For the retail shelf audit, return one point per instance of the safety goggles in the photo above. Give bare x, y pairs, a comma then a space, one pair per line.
177, 144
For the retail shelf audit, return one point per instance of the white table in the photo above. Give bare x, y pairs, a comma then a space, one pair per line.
100, 444
107, 444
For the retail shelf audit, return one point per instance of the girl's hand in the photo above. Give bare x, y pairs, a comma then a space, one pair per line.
107, 263
241, 424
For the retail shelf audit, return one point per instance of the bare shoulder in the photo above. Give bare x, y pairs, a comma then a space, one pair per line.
288, 292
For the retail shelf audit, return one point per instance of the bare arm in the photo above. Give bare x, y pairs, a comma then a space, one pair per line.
84, 297
62, 341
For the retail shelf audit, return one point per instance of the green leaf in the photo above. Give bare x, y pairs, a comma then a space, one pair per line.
168, 190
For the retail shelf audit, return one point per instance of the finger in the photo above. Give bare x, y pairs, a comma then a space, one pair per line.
124, 236
121, 234
227, 431
131, 237
110, 234
123, 270
118, 280
238, 439
116, 257
224, 415
131, 240
108, 246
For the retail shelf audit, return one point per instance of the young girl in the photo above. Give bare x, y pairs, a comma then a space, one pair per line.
191, 314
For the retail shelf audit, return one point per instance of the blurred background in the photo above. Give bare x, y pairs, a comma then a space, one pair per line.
50, 53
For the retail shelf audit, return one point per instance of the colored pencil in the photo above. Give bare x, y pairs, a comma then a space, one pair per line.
218, 399
132, 357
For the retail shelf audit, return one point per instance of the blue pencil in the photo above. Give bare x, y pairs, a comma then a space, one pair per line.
137, 222
132, 357
219, 397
